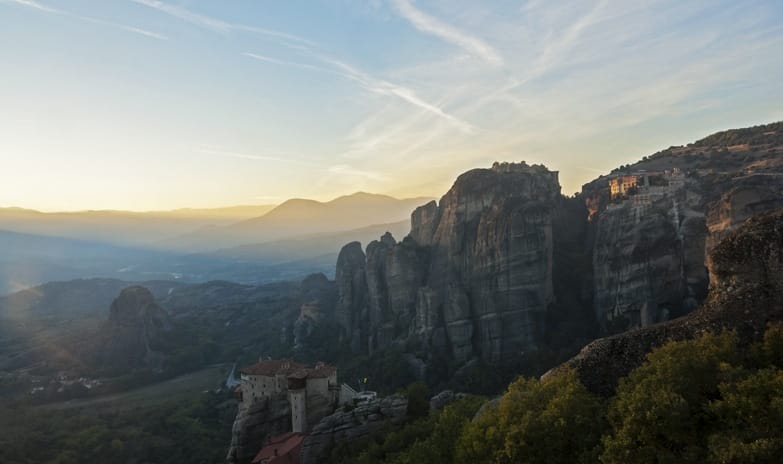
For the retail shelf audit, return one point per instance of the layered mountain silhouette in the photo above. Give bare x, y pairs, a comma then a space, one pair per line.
124, 227
303, 218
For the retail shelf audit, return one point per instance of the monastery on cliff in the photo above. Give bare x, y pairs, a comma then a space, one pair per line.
311, 392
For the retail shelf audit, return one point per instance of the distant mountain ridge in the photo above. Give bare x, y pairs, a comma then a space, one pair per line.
301, 218
123, 227
287, 250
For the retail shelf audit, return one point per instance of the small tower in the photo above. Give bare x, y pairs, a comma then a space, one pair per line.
297, 397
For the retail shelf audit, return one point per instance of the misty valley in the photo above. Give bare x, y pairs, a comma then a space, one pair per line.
127, 349
391, 232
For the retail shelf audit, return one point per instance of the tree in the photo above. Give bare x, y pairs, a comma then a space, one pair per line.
750, 414
552, 421
418, 395
658, 414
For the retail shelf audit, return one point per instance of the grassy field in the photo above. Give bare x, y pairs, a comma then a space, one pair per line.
194, 383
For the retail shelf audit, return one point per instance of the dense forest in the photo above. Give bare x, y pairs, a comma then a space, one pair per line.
192, 430
702, 400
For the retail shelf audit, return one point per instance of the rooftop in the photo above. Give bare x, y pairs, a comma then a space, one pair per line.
281, 449
272, 367
290, 369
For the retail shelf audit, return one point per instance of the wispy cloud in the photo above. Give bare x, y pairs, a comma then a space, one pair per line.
554, 50
187, 15
40, 7
406, 94
269, 59
335, 66
137, 30
451, 34
32, 4
215, 24
371, 84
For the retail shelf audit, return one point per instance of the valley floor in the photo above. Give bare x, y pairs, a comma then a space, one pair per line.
190, 384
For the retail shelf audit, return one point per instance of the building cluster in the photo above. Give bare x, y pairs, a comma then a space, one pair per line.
61, 383
642, 188
311, 392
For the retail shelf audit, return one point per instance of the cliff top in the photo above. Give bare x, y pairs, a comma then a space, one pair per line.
506, 167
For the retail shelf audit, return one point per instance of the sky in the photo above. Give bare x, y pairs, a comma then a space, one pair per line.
147, 104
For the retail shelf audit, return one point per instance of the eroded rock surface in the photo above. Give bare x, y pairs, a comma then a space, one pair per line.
746, 294
136, 328
346, 426
473, 278
264, 418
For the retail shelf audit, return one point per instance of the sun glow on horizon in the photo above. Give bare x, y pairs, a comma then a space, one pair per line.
140, 105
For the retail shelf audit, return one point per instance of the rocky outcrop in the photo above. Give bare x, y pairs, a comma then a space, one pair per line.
746, 294
348, 425
351, 309
262, 419
135, 332
443, 399
650, 242
749, 196
318, 297
503, 264
648, 259
473, 278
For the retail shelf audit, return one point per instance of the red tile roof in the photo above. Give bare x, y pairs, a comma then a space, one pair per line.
281, 449
272, 367
289, 369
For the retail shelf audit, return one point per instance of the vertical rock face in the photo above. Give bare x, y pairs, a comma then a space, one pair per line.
751, 196
502, 258
318, 298
746, 294
136, 326
474, 277
351, 308
263, 419
648, 260
650, 248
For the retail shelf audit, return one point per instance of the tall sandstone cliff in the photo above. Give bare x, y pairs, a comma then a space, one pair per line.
746, 294
504, 263
473, 279
650, 245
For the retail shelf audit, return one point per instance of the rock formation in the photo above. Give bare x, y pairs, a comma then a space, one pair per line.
443, 399
346, 426
473, 278
263, 419
746, 293
650, 244
318, 296
136, 330
351, 280
504, 264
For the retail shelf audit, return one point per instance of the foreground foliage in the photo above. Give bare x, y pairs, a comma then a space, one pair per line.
192, 431
707, 400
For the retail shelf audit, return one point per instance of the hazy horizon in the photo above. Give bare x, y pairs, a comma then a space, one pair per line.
203, 209
147, 105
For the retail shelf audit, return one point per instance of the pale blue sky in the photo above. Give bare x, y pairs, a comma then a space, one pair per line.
145, 104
